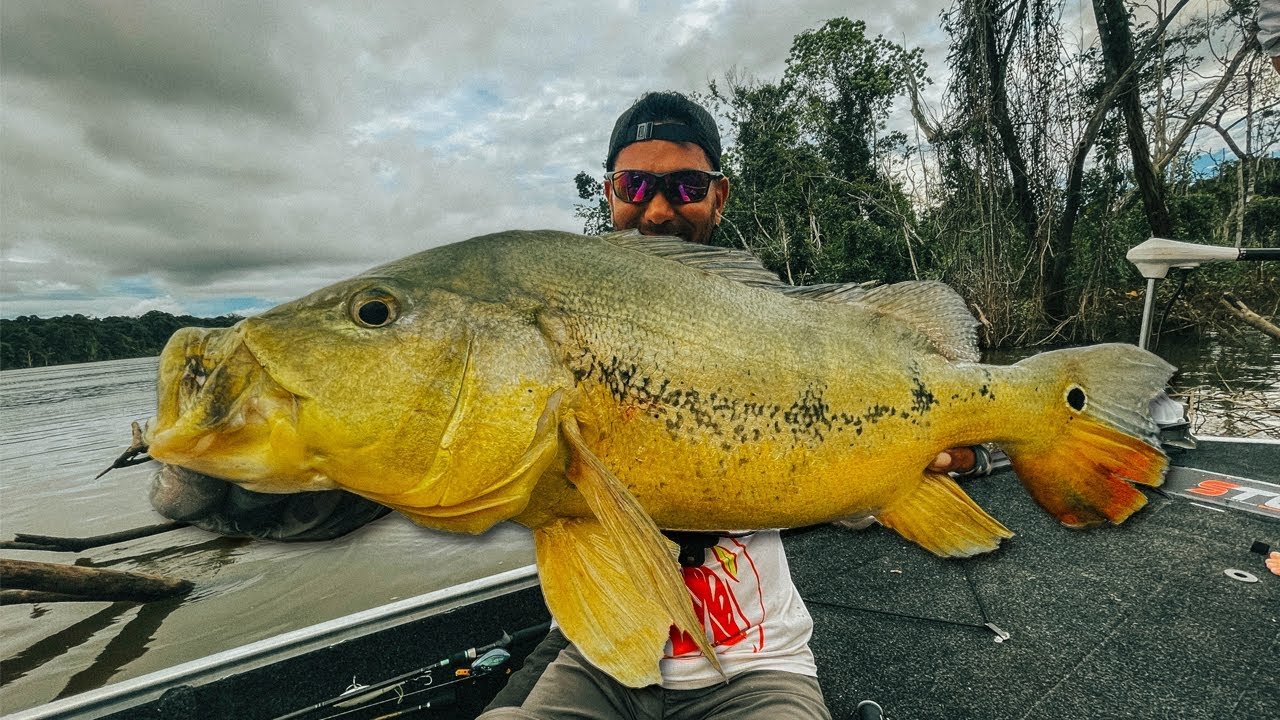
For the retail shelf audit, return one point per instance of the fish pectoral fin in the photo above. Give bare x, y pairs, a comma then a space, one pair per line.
648, 557
597, 603
942, 519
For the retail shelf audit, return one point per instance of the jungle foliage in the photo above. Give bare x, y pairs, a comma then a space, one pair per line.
1040, 165
30, 341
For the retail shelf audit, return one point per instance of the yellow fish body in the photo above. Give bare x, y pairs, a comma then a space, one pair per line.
595, 389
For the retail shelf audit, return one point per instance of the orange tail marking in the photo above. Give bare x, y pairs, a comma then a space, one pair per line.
1084, 476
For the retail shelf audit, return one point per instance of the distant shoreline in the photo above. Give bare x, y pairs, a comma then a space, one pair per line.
31, 341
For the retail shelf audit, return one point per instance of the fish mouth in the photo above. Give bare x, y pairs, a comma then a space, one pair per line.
219, 411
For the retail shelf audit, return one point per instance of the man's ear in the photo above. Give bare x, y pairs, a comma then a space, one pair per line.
608, 191
721, 197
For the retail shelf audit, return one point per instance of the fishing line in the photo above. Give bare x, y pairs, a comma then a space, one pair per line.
986, 623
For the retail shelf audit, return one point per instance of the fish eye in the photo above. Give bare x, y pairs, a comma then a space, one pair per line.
374, 308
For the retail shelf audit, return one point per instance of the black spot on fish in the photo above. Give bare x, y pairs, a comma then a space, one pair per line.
1076, 398
921, 398
878, 411
717, 414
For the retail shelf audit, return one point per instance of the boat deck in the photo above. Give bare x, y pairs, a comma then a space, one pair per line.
1136, 621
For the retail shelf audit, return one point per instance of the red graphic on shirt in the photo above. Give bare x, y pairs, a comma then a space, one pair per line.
716, 606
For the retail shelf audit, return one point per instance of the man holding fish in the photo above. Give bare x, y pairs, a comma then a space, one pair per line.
598, 389
664, 179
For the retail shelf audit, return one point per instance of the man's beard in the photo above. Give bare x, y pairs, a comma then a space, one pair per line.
682, 230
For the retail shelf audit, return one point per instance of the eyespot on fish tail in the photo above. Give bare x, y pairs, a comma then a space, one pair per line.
1083, 468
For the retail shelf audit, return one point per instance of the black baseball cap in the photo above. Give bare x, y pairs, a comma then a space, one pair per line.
665, 116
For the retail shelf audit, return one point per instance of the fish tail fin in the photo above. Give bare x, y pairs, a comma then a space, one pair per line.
1098, 438
942, 519
647, 557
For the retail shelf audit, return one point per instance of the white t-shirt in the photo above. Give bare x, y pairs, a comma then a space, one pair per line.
751, 611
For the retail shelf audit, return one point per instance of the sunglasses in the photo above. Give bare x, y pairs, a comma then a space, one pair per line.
679, 186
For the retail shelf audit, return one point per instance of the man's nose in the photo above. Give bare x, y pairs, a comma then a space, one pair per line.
658, 210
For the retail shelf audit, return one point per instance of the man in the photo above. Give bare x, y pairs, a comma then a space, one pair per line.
664, 179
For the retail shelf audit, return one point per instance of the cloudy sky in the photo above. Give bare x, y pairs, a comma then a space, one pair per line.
213, 157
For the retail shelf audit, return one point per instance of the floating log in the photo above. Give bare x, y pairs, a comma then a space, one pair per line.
26, 541
19, 597
1242, 311
84, 584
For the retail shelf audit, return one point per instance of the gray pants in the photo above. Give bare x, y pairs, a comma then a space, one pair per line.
570, 688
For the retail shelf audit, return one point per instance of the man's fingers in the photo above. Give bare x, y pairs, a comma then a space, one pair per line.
959, 459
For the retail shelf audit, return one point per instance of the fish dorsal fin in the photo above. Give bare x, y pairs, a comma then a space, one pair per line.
733, 264
831, 292
933, 309
612, 581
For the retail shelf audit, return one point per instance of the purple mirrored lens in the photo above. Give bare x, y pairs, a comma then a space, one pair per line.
680, 187
690, 185
634, 186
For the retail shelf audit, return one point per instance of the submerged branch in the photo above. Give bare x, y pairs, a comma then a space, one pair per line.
26, 581
26, 541
135, 454
1254, 320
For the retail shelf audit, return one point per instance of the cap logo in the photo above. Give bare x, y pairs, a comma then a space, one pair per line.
644, 131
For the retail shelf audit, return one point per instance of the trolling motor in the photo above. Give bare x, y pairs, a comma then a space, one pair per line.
1154, 257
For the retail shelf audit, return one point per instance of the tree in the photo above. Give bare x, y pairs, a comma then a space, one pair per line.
1047, 140
595, 215
811, 196
30, 341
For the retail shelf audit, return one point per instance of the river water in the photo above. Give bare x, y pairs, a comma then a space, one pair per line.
59, 426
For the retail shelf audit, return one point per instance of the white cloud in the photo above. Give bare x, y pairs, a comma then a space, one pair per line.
176, 154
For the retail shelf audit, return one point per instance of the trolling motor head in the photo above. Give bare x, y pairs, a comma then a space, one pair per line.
1155, 256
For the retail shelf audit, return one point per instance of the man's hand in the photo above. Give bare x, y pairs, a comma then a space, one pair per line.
219, 507
961, 460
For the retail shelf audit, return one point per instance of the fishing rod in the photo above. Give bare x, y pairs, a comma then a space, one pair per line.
357, 695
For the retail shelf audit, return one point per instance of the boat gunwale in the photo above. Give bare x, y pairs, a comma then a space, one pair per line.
137, 691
